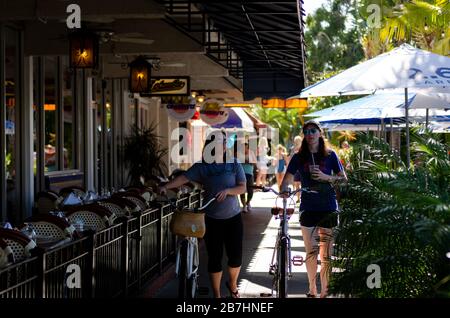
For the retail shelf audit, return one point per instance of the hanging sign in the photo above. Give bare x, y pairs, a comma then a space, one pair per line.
213, 113
173, 85
180, 111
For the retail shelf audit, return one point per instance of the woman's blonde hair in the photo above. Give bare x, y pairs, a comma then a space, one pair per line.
283, 149
298, 141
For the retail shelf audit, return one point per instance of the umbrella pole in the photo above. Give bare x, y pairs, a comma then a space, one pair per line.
408, 155
392, 135
426, 118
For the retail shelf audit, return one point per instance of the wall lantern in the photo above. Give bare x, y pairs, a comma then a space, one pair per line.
200, 98
140, 72
83, 49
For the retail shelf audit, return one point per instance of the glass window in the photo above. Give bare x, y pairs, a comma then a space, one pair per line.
35, 118
69, 114
50, 160
12, 84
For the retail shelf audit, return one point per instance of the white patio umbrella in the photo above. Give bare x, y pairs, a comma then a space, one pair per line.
404, 67
382, 105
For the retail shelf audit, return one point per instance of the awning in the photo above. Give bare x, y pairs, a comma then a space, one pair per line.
237, 119
261, 42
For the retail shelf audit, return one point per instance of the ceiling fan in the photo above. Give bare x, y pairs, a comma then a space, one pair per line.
133, 37
156, 62
109, 36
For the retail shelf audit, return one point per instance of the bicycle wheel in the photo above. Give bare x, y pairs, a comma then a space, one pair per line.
282, 269
183, 282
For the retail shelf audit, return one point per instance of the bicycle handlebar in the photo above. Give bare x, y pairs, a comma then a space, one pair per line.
289, 193
172, 203
206, 205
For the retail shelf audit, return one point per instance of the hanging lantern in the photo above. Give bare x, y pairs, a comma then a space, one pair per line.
83, 49
299, 103
240, 105
140, 72
273, 103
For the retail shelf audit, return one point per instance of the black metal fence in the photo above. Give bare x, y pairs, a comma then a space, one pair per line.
116, 261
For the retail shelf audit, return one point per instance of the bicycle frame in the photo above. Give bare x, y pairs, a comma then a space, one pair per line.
186, 268
282, 256
187, 263
281, 265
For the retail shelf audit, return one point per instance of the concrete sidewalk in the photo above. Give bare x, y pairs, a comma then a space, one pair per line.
260, 231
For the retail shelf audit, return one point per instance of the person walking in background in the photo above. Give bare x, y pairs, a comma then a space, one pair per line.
248, 166
281, 161
263, 161
224, 181
319, 169
295, 148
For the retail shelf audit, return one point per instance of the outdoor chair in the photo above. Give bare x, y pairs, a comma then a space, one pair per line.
145, 192
91, 216
46, 201
79, 191
137, 199
116, 210
6, 254
126, 204
20, 244
51, 226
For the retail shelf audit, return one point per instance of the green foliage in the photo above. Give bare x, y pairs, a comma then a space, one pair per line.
143, 154
333, 38
288, 122
425, 24
395, 218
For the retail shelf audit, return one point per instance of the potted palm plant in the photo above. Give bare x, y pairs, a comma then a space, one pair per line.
143, 155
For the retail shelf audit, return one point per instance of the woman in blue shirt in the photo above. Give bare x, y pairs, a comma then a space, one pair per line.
281, 161
225, 180
248, 166
319, 168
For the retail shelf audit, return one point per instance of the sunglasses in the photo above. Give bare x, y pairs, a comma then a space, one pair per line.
311, 131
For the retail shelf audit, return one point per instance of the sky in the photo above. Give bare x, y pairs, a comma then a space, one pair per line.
311, 5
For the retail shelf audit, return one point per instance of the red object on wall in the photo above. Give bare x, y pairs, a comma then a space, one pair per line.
196, 115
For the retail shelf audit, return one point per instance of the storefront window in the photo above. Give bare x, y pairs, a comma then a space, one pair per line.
12, 84
69, 114
50, 161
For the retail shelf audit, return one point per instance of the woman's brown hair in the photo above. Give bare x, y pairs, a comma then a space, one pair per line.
305, 154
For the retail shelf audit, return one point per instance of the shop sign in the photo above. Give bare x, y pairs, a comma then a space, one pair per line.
180, 111
213, 113
175, 85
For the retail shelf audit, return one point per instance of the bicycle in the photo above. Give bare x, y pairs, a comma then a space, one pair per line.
187, 261
281, 264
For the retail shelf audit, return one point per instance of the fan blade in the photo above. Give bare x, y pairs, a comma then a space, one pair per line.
173, 64
132, 40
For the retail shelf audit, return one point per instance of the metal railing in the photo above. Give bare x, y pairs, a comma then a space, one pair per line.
116, 261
